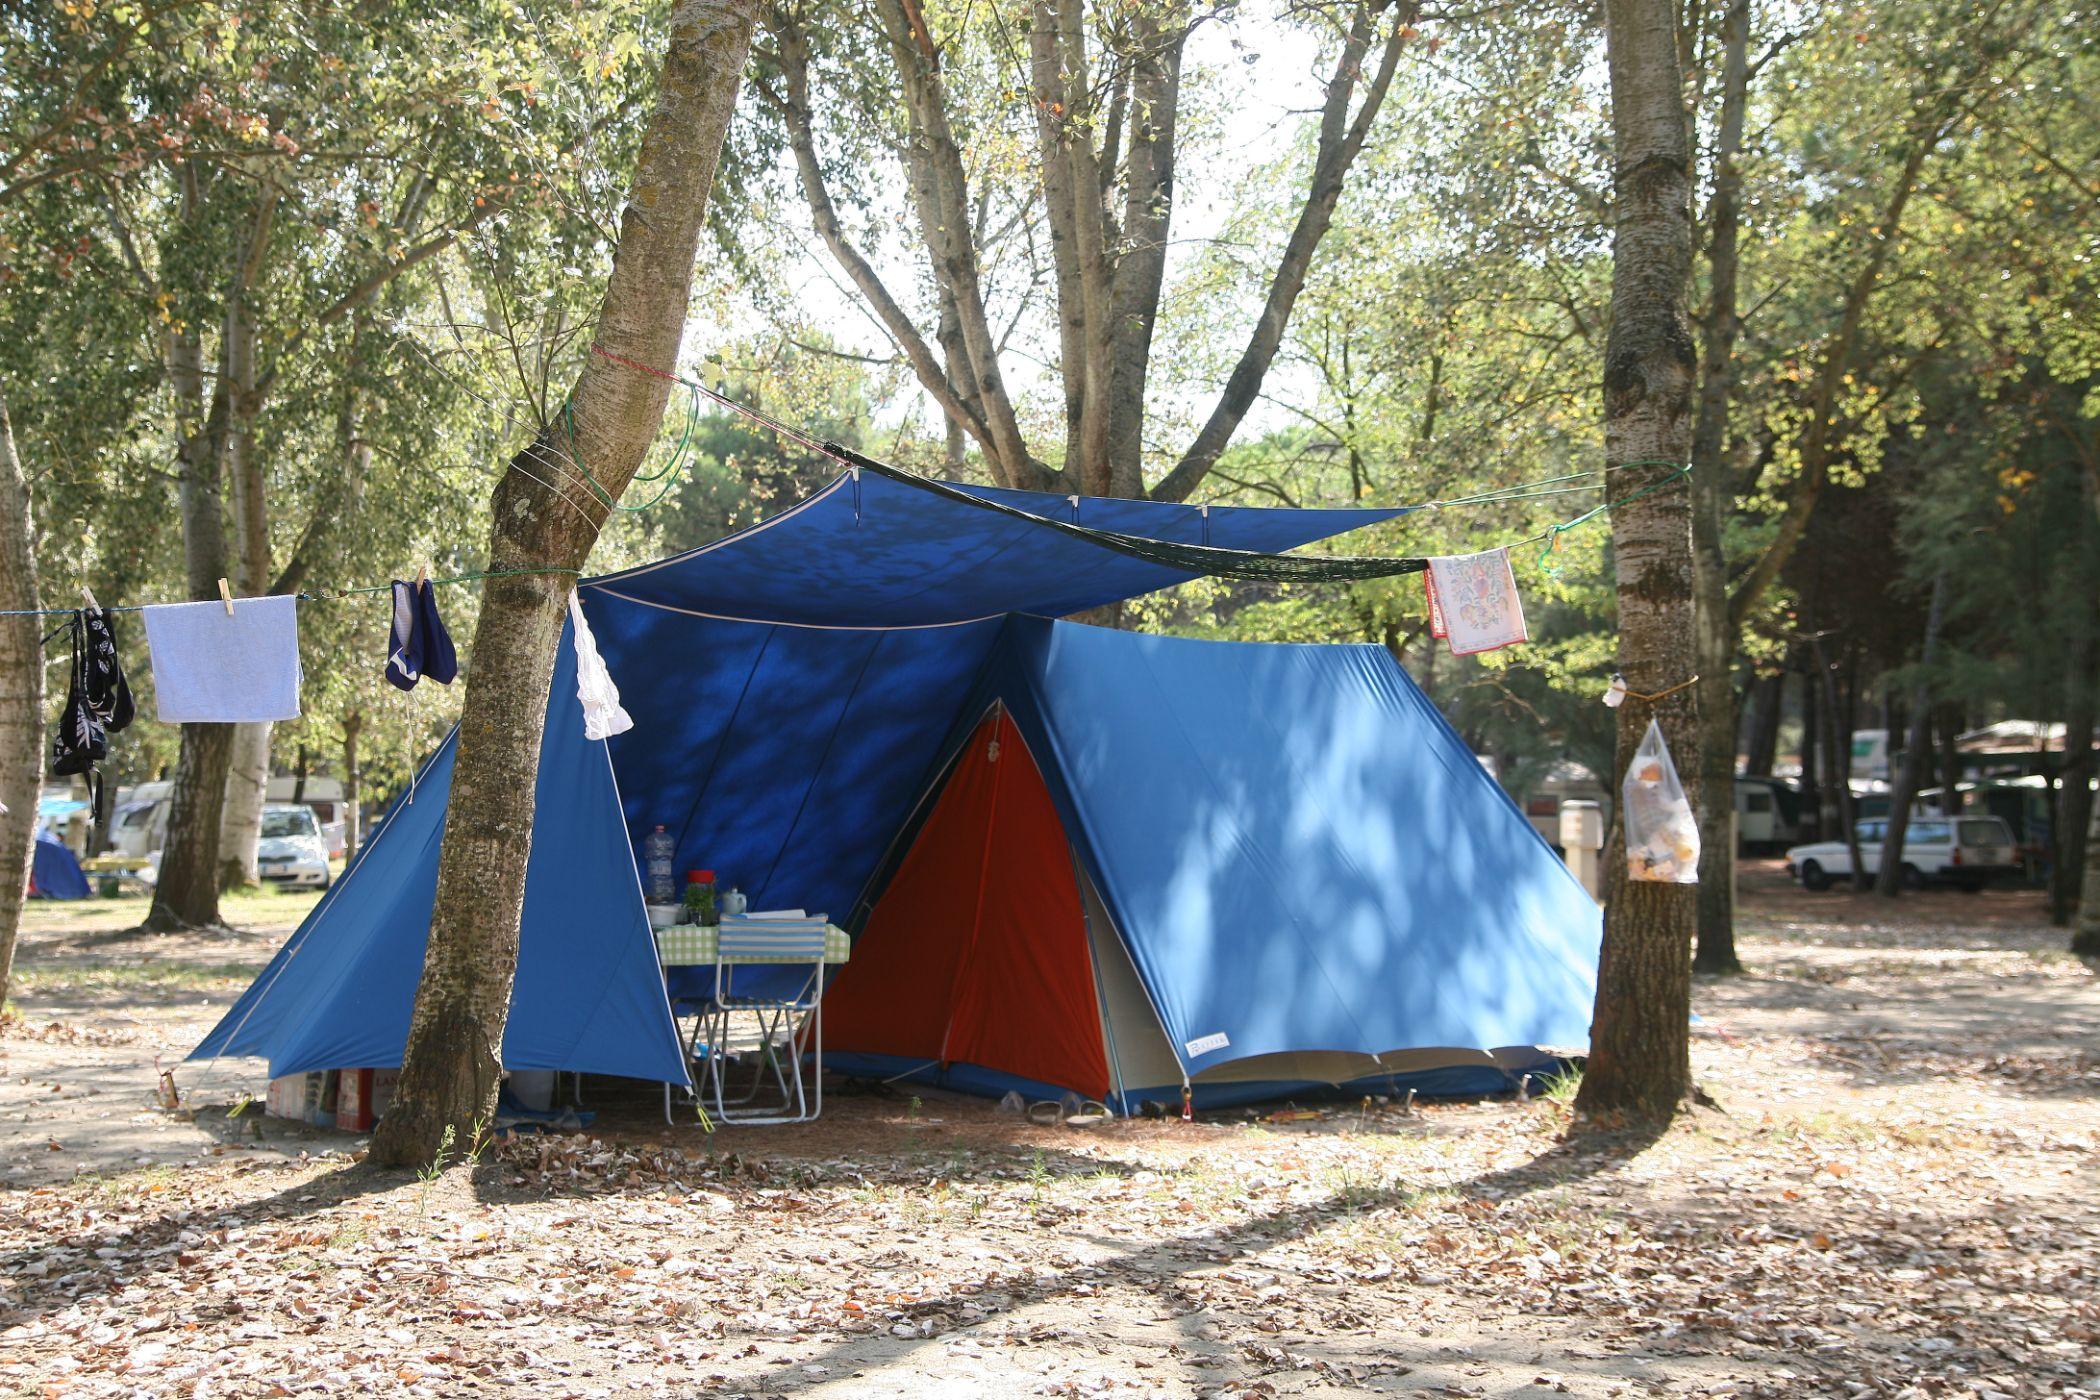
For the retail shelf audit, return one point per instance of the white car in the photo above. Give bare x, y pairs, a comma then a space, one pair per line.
1966, 852
291, 851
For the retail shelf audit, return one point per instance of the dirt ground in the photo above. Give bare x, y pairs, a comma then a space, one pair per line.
1898, 1195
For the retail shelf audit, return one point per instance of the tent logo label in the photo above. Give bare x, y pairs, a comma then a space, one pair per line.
1204, 1044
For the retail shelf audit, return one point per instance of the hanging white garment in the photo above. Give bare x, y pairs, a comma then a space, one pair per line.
602, 715
1476, 601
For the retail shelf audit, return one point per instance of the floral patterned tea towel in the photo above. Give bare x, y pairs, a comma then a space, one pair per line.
1475, 597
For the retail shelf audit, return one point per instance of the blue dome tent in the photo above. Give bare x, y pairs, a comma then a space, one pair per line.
1239, 867
54, 871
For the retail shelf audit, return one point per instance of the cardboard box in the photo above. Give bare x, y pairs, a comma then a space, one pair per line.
361, 1096
289, 1095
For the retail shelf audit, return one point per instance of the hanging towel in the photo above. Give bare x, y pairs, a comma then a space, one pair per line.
209, 668
602, 715
1475, 598
418, 644
1436, 612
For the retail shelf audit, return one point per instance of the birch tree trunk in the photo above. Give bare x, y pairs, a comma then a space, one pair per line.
1710, 494
240, 819
453, 1063
353, 810
1640, 1063
21, 696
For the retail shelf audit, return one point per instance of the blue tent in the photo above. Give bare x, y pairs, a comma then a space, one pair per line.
54, 871
1287, 867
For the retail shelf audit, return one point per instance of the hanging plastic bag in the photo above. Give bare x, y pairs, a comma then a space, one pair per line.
1662, 835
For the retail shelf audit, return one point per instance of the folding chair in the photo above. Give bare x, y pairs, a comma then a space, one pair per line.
788, 1021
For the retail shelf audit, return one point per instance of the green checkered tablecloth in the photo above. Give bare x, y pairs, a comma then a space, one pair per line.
686, 945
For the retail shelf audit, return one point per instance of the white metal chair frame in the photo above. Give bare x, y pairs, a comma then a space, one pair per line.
788, 1026
706, 1046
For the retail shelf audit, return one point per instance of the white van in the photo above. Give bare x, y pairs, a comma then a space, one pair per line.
1965, 852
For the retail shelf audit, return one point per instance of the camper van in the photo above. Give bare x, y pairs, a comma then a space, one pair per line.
1768, 814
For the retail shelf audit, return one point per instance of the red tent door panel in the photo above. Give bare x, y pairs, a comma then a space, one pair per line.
977, 951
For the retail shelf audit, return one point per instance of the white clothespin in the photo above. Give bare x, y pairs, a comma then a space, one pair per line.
89, 599
226, 597
1615, 694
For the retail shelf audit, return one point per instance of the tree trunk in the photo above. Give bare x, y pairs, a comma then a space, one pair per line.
1640, 1060
248, 763
1917, 751
1766, 708
186, 894
1714, 784
453, 1061
240, 819
21, 695
2074, 799
1811, 755
353, 812
1835, 818
1950, 724
2085, 938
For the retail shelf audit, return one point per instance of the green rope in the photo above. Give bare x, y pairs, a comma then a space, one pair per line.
692, 414
1554, 532
576, 458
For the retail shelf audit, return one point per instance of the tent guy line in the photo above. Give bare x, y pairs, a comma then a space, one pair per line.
1350, 566
1215, 561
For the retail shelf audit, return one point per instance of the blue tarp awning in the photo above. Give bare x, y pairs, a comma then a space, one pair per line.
871, 551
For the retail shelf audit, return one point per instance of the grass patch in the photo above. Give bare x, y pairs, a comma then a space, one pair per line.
132, 979
265, 907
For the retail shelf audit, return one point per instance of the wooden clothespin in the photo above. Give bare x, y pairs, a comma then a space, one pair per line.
226, 597
422, 572
89, 599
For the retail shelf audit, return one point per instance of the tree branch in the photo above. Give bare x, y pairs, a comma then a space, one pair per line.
1340, 140
793, 109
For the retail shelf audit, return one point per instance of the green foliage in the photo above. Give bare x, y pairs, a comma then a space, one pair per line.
1447, 341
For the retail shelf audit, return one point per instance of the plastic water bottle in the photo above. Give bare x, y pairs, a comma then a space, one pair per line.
660, 852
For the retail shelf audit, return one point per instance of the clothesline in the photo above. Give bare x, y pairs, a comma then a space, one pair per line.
317, 595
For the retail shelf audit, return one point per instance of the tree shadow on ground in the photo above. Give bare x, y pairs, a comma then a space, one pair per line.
1159, 1268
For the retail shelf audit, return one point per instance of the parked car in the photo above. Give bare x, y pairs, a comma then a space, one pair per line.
291, 850
1965, 852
